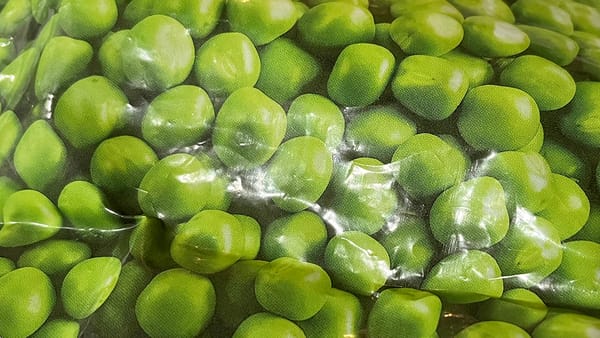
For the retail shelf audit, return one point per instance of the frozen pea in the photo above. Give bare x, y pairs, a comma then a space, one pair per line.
477, 70
261, 20
17, 75
493, 8
404, 312
178, 117
109, 55
520, 307
481, 329
88, 284
248, 140
227, 62
87, 19
567, 324
252, 236
465, 277
431, 76
29, 217
8, 51
299, 173
530, 251
341, 316
28, 298
176, 303
286, 70
400, 7
150, 242
378, 131
585, 18
302, 236
175, 188
498, 118
551, 45
580, 122
265, 324
426, 32
6, 265
291, 288
85, 119
490, 37
11, 133
58, 328
591, 229
427, 165
7, 187
535, 145
542, 14
209, 242
152, 62
55, 256
40, 141
318, 116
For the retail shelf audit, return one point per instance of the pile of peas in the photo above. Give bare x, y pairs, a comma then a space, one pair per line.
280, 168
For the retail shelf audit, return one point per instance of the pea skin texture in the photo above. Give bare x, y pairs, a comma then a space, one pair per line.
89, 19
109, 56
55, 256
261, 20
489, 37
580, 120
553, 46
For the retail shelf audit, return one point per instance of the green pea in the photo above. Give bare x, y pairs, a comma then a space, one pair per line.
302, 236
7, 187
553, 46
520, 307
248, 140
209, 242
590, 230
55, 256
29, 217
562, 325
579, 123
27, 301
175, 188
110, 58
427, 165
482, 329
378, 131
289, 181
318, 116
8, 51
150, 244
426, 32
227, 62
261, 20
341, 316
17, 75
11, 133
176, 303
292, 289
286, 70
6, 266
88, 19
58, 328
490, 37
586, 40
404, 312
62, 61
535, 145
585, 18
85, 119
400, 7
265, 324
150, 61
419, 75
14, 17
493, 8
252, 236
478, 71
530, 251
542, 14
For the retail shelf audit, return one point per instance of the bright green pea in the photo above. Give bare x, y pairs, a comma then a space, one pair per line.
591, 229
265, 324
85, 119
227, 62
426, 32
404, 312
553, 46
423, 75
567, 324
150, 244
465, 277
400, 7
176, 303
252, 236
209, 242
27, 300
6, 266
175, 188
520, 307
286, 70
542, 14
11, 133
29, 217
248, 140
585, 18
483, 329
427, 165
87, 19
498, 118
490, 37
580, 122
261, 20
493, 8
55, 256
17, 75
530, 251
291, 288
318, 116
110, 58
378, 131
341, 316
153, 62
58, 328
477, 70
8, 51
7, 187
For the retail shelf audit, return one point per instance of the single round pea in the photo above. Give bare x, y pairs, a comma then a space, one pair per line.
29, 217
55, 256
153, 62
426, 32
265, 324
289, 181
465, 277
150, 243
567, 324
553, 46
176, 303
28, 298
227, 62
493, 8
87, 19
341, 316
11, 133
482, 329
579, 123
400, 7
178, 117
404, 312
261, 20
90, 110
477, 70
318, 116
542, 14
248, 140
520, 307
58, 328
6, 266
291, 288
490, 37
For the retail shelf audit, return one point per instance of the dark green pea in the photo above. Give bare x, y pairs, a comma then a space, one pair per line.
55, 256
490, 37
556, 47
110, 58
401, 7
6, 266
58, 328
261, 20
566, 324
477, 70
520, 307
494, 8
16, 76
14, 17
8, 51
580, 122
585, 18
542, 14
87, 19
150, 244
11, 133
265, 324
341, 316
481, 329
7, 187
